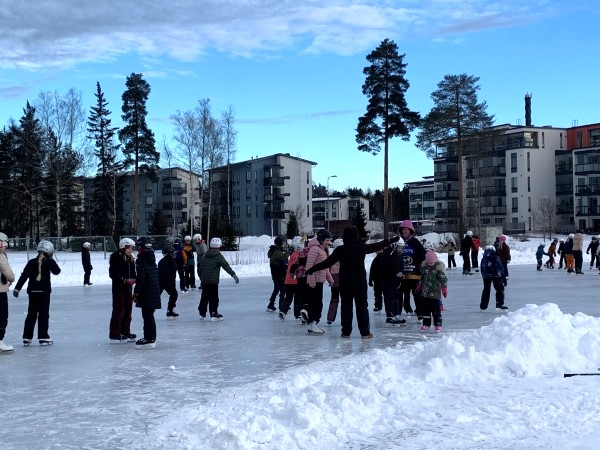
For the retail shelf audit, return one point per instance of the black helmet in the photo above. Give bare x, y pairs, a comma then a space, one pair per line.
168, 250
279, 241
143, 241
323, 234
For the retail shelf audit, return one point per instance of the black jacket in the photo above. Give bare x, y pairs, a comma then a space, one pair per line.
375, 269
351, 256
120, 268
85, 259
146, 285
31, 272
391, 265
167, 271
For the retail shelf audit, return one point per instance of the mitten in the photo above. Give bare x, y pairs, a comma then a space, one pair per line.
236, 279
445, 292
419, 287
16, 293
504, 281
130, 281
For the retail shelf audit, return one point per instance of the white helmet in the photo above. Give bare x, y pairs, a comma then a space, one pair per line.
87, 245
126, 242
338, 242
398, 246
298, 246
197, 237
3, 237
187, 238
216, 243
45, 247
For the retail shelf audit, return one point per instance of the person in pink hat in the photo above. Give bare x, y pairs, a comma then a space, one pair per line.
432, 286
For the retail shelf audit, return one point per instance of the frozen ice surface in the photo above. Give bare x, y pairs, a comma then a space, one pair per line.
83, 392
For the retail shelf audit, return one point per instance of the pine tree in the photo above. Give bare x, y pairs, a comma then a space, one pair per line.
137, 139
158, 226
387, 113
292, 228
456, 115
360, 222
106, 209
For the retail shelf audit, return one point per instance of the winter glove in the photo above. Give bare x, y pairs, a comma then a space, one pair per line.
236, 279
309, 271
371, 283
419, 287
130, 281
445, 292
16, 293
504, 281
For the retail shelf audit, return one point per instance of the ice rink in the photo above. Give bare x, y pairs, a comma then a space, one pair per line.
84, 392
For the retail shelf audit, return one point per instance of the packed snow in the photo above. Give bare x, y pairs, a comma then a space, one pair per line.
495, 387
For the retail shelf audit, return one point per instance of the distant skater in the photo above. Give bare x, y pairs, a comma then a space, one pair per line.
86, 262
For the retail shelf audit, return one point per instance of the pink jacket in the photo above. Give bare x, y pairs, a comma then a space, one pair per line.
291, 261
316, 254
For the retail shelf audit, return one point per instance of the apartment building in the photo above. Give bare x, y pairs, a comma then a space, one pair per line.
336, 212
262, 193
173, 191
421, 198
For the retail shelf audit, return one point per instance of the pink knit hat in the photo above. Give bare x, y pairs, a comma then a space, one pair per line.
430, 258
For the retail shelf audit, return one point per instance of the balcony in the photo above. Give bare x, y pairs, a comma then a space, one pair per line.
446, 212
591, 189
484, 172
564, 189
446, 195
274, 181
564, 209
584, 169
446, 175
492, 211
587, 211
563, 169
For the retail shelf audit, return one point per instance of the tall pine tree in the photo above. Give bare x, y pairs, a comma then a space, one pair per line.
138, 140
106, 206
387, 113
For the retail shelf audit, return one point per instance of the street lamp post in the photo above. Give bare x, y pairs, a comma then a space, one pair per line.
327, 201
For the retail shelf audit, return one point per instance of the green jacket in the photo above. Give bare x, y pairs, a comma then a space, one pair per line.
210, 267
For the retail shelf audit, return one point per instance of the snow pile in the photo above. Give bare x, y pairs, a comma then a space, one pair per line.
472, 379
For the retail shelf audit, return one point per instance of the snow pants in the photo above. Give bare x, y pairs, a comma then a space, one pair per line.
3, 313
37, 311
350, 294
431, 308
485, 294
209, 299
120, 319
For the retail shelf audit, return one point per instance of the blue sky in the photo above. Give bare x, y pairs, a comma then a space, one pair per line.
292, 70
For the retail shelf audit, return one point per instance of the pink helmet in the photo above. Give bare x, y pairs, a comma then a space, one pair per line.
407, 224
502, 238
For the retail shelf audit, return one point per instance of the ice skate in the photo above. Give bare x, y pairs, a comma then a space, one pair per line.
4, 347
120, 339
131, 337
313, 328
216, 317
271, 308
26, 342
367, 336
44, 342
502, 309
392, 322
144, 344
172, 314
424, 328
438, 329
377, 310
281, 315
304, 315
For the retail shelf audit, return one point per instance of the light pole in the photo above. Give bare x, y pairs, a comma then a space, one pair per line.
327, 201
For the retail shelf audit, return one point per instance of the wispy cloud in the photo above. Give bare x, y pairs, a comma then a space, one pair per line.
46, 34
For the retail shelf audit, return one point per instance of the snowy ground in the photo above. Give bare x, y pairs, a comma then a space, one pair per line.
488, 381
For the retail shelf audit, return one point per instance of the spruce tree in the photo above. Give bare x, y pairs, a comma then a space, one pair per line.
138, 140
292, 228
106, 205
360, 222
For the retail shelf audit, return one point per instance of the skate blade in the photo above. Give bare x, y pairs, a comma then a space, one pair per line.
46, 344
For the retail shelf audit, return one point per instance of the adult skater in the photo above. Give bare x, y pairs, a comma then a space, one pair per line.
7, 277
86, 262
146, 292
121, 270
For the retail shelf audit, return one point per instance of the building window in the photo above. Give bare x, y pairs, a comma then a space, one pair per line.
529, 204
248, 210
528, 162
579, 138
248, 176
248, 193
256, 211
561, 139
149, 201
307, 210
513, 162
149, 215
543, 141
148, 186
307, 194
514, 185
515, 205
529, 185
307, 177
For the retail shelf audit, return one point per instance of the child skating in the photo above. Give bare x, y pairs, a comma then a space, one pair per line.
432, 287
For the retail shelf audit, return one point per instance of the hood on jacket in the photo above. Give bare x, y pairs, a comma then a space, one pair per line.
312, 243
272, 250
211, 253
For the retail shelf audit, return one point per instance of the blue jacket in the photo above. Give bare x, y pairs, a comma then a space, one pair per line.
491, 266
